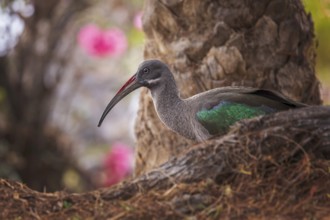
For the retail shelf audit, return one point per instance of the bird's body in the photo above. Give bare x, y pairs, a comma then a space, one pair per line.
203, 115
212, 112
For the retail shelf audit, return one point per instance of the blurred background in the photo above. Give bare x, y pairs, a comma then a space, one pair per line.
61, 61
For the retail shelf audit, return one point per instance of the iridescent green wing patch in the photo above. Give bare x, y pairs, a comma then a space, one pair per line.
218, 119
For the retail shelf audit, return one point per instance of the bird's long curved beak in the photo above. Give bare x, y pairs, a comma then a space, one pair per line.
126, 89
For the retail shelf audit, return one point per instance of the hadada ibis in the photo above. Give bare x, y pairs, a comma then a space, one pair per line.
203, 115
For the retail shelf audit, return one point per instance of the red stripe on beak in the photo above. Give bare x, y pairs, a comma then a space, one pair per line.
130, 81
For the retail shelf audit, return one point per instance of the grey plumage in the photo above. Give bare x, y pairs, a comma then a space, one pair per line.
217, 106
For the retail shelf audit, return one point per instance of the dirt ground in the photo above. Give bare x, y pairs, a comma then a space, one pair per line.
251, 173
203, 200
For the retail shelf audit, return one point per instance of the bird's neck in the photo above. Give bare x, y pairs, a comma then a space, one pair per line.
171, 109
166, 98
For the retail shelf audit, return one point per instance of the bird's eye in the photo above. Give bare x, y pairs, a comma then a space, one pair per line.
146, 70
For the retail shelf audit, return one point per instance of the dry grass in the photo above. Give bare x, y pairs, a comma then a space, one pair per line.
264, 169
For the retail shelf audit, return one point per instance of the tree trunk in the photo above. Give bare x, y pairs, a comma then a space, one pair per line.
30, 74
208, 44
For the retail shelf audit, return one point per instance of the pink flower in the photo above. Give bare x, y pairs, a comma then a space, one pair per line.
97, 42
138, 21
118, 163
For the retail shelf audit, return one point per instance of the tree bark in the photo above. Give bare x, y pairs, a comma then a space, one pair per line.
208, 44
278, 140
272, 167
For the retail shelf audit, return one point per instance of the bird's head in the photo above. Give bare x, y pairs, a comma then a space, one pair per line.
150, 74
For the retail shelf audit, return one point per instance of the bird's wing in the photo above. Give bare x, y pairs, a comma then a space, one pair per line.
272, 95
221, 108
218, 93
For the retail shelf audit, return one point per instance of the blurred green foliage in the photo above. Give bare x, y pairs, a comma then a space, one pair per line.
135, 37
320, 10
